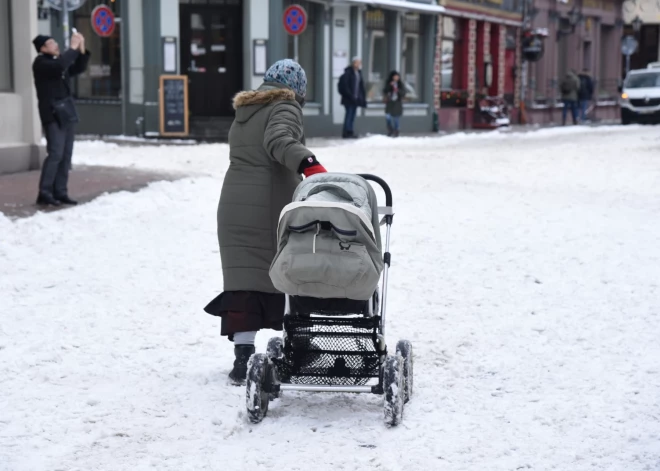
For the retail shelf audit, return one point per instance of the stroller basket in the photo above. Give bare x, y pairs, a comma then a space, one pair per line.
330, 350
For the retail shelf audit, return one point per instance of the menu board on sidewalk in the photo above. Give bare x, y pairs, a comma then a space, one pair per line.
173, 101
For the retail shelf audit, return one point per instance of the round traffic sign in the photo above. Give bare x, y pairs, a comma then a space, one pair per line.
629, 45
295, 20
103, 21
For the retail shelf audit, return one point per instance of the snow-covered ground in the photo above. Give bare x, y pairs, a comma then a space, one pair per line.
526, 272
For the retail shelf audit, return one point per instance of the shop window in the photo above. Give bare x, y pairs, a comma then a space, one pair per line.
453, 93
5, 47
102, 79
410, 52
378, 54
306, 46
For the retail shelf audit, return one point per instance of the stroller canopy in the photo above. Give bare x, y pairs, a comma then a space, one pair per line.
329, 243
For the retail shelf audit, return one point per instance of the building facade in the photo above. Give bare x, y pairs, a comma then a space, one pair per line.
642, 20
20, 131
223, 46
582, 35
479, 56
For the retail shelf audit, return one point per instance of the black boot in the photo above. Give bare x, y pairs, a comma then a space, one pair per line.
238, 374
66, 200
390, 130
47, 200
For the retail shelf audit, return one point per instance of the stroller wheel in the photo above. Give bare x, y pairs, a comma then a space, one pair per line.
393, 386
275, 351
275, 348
258, 385
404, 348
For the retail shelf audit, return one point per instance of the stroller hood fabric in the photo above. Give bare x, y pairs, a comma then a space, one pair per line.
329, 243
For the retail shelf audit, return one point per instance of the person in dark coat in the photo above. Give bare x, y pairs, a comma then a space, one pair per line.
393, 93
267, 156
586, 93
353, 95
52, 72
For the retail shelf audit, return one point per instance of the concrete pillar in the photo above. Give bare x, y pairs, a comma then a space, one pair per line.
257, 27
135, 51
25, 14
169, 25
341, 44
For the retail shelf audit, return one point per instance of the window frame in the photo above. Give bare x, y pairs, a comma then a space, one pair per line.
378, 96
417, 97
78, 16
10, 51
312, 19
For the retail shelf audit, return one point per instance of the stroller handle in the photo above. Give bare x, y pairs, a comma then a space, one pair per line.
383, 185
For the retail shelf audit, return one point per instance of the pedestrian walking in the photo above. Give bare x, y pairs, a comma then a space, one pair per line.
57, 112
570, 87
393, 94
267, 156
585, 95
353, 95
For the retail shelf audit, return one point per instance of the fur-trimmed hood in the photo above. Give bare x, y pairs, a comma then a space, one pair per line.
263, 97
248, 103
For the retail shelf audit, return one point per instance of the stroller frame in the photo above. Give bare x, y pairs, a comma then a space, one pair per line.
270, 373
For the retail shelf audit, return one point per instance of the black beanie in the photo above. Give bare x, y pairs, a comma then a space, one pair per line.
39, 41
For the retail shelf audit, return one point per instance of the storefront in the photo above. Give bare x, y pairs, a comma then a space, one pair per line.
583, 36
20, 131
478, 59
219, 45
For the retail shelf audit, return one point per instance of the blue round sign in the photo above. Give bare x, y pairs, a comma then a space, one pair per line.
103, 21
295, 20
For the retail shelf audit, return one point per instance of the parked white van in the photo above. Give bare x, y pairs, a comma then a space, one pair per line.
640, 96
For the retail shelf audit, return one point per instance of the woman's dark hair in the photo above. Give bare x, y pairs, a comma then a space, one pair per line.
392, 74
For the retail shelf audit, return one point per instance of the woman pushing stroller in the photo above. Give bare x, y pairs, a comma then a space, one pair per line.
267, 155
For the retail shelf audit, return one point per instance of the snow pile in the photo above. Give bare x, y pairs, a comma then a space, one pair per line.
525, 272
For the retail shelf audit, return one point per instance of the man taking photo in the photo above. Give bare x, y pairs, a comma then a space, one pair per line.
57, 112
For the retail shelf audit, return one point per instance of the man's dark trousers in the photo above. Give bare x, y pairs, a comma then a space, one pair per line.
349, 119
55, 170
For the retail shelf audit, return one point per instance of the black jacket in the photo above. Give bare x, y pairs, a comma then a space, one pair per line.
586, 87
394, 107
51, 79
346, 88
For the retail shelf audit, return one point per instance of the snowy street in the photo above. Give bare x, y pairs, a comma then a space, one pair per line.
525, 271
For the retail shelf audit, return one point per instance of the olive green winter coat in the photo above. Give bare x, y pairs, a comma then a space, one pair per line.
266, 148
570, 87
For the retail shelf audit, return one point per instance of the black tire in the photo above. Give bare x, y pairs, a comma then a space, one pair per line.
405, 349
393, 388
625, 119
257, 386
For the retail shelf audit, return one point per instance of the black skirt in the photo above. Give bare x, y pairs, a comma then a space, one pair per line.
246, 311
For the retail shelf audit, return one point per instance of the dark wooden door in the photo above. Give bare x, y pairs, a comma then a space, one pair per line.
211, 56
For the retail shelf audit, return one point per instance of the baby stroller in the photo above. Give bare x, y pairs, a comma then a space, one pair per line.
329, 263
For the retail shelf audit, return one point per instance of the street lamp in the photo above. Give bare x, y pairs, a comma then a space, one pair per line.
637, 24
574, 17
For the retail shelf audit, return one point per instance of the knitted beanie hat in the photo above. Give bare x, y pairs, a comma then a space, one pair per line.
288, 72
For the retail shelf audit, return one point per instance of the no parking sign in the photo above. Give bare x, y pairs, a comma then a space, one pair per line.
103, 21
295, 20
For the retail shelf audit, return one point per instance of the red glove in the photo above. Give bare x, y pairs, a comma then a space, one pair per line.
310, 166
313, 170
